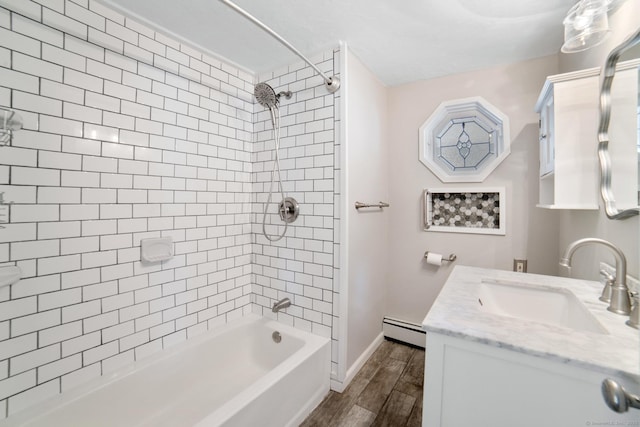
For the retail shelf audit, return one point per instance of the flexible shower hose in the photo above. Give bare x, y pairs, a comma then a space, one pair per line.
275, 119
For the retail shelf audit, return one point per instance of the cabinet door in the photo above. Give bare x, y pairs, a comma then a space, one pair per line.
547, 152
472, 384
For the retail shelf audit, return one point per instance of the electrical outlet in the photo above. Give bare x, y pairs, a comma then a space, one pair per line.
520, 265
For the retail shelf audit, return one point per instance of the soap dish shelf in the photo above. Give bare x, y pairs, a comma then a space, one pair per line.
156, 249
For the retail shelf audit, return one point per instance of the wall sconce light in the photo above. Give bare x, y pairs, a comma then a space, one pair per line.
586, 25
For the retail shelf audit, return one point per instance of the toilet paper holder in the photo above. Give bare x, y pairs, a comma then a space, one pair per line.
451, 257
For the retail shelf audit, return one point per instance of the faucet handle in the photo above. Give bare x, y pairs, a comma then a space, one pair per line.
617, 398
634, 317
607, 290
608, 277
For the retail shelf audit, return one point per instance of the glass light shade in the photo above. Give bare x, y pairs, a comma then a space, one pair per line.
586, 25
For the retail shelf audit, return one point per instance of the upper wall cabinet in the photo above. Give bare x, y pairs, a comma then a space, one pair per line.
568, 108
464, 140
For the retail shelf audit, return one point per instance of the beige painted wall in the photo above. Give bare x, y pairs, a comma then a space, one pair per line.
531, 232
575, 224
367, 230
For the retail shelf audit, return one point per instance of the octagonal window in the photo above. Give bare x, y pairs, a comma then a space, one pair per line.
464, 140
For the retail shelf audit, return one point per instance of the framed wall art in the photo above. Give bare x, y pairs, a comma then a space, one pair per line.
465, 210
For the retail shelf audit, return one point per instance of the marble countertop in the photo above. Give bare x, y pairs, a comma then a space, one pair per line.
456, 312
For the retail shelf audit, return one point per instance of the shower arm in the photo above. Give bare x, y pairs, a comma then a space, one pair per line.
331, 83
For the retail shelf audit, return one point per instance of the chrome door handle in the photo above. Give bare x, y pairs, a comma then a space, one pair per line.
617, 398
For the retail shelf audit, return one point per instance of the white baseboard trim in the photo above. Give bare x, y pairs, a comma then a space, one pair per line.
339, 386
401, 330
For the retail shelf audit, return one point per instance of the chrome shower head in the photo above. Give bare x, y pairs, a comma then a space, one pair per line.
265, 95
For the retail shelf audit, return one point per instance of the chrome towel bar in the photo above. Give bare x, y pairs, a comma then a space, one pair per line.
360, 205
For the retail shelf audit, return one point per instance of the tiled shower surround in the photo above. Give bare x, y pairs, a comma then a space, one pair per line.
304, 264
129, 134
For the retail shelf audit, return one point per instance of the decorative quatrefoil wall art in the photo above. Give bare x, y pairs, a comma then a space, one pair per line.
464, 140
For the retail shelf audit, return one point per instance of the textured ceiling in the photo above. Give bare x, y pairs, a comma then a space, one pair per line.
399, 41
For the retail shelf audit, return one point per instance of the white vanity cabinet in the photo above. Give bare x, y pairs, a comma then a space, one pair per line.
568, 109
472, 384
498, 354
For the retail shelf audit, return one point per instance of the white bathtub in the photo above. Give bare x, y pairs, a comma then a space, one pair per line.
233, 376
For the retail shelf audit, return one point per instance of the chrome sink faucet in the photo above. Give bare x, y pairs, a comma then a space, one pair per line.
620, 300
283, 303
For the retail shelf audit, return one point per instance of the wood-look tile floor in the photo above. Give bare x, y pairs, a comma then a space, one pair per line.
386, 392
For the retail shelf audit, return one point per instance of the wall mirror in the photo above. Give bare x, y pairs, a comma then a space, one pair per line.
619, 131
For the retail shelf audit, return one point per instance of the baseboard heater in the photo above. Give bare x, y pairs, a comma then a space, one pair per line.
401, 330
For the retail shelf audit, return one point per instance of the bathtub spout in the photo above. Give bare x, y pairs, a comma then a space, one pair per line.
283, 303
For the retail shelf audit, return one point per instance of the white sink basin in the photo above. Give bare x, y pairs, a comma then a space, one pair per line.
551, 306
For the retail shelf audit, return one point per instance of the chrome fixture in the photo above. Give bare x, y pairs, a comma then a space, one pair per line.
634, 317
10, 122
267, 97
280, 305
604, 157
606, 291
360, 205
617, 398
620, 301
288, 208
451, 257
331, 83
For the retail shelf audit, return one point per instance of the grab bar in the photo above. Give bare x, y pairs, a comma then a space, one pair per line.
360, 205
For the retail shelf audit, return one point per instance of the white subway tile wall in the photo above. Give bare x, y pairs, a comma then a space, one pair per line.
303, 266
129, 134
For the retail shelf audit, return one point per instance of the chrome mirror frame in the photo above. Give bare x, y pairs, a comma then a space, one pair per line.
609, 72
